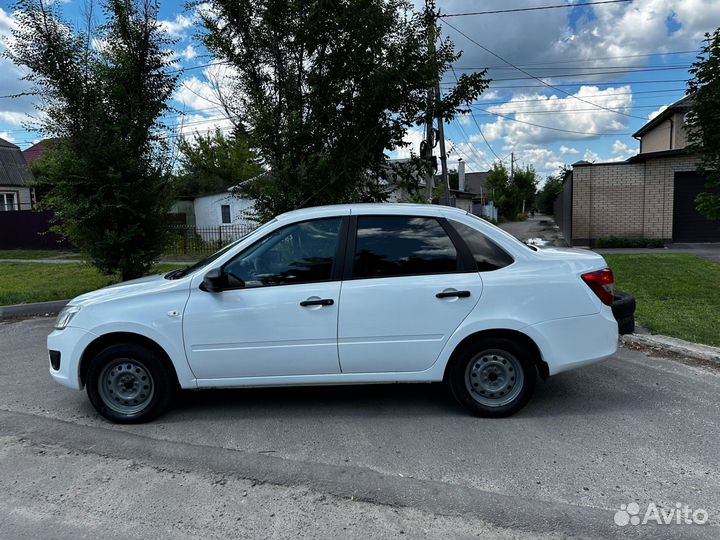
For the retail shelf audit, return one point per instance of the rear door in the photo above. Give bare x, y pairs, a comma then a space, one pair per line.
409, 283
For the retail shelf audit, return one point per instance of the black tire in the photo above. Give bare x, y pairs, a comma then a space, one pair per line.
623, 305
626, 325
138, 386
471, 368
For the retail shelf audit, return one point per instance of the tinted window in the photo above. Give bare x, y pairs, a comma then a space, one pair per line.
487, 254
299, 253
402, 245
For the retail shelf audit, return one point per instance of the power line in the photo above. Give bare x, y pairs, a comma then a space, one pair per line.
476, 122
532, 76
538, 8
588, 133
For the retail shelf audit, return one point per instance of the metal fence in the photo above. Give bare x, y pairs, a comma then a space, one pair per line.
191, 241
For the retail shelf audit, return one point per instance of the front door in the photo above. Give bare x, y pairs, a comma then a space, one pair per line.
406, 295
277, 315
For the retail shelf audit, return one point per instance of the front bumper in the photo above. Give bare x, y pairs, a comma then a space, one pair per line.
70, 343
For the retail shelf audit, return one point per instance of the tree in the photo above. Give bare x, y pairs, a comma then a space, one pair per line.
510, 192
107, 175
327, 88
549, 192
703, 122
215, 162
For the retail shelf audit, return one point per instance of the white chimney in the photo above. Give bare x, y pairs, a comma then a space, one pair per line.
461, 175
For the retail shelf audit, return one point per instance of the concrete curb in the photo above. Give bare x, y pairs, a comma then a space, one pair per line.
37, 309
674, 345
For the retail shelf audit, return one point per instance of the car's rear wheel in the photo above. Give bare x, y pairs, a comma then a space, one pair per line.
128, 384
493, 377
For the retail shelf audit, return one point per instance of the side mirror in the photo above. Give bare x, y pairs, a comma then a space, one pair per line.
213, 281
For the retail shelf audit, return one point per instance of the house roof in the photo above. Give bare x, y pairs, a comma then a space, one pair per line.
37, 150
13, 167
679, 106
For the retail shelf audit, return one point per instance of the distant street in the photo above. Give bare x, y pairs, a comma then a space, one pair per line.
277, 462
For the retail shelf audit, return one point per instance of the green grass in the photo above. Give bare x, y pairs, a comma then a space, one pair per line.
677, 295
22, 283
35, 254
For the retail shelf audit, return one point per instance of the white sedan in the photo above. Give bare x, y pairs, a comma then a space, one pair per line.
363, 293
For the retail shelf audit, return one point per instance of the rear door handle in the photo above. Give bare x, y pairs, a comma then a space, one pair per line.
453, 294
318, 302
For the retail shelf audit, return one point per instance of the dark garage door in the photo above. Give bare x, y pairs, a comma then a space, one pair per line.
689, 225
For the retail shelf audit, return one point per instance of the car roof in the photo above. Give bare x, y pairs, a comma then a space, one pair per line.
369, 208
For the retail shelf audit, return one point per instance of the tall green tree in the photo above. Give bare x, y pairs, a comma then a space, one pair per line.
215, 162
327, 88
704, 122
107, 175
511, 192
550, 191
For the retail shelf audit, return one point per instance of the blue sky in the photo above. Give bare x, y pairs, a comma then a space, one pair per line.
591, 76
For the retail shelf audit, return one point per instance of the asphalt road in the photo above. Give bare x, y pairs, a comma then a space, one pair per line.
633, 429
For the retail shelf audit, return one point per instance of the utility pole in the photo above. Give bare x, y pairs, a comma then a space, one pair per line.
443, 154
429, 132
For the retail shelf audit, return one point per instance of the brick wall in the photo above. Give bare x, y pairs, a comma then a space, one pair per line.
625, 199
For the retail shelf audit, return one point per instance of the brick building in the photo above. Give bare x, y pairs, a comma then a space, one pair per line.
651, 195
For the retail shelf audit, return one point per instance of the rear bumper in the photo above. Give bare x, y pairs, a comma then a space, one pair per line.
70, 344
576, 341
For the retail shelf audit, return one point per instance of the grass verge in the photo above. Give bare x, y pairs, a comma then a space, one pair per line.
677, 295
22, 283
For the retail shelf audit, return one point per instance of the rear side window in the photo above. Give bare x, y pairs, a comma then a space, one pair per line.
487, 254
402, 246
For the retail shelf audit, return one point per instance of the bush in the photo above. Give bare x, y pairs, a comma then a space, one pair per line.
622, 242
521, 217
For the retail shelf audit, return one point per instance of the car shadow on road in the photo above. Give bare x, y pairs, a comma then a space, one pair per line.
567, 394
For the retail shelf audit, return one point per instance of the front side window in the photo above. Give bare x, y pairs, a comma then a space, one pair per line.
402, 246
299, 253
487, 254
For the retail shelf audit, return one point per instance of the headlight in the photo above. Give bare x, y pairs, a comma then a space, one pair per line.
65, 316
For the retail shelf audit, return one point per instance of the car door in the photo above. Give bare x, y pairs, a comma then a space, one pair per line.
410, 282
277, 313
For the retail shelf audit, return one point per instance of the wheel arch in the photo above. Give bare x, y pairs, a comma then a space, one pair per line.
514, 335
114, 338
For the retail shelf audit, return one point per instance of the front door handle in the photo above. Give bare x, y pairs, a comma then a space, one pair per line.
318, 302
453, 294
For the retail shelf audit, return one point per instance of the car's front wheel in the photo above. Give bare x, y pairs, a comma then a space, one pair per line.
493, 377
128, 384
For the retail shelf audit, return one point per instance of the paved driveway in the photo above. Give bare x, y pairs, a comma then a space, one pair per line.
632, 429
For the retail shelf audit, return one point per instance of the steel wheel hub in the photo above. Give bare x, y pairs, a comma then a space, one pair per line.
126, 386
494, 378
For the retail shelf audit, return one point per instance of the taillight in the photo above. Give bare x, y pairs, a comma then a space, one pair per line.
602, 284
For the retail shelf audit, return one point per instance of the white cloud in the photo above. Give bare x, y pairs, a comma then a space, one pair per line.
591, 156
566, 151
620, 148
570, 117
655, 113
178, 27
413, 137
7, 136
188, 53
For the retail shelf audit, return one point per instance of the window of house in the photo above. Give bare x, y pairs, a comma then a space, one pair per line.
225, 213
487, 254
7, 202
299, 253
402, 246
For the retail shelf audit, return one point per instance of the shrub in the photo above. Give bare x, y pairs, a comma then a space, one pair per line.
623, 242
521, 217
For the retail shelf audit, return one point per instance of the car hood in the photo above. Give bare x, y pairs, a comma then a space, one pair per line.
134, 287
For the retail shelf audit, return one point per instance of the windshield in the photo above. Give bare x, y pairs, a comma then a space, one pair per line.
177, 274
